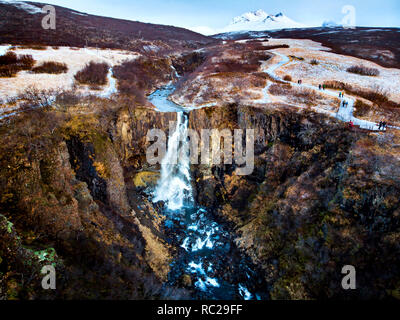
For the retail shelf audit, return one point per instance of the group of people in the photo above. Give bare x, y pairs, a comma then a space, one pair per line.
382, 125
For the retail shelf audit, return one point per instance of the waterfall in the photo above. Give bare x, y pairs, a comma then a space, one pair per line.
174, 187
207, 251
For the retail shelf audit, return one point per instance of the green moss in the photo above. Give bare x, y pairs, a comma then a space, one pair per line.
82, 126
12, 289
48, 254
100, 142
9, 226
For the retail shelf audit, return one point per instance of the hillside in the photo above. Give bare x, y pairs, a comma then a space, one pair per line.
379, 45
21, 24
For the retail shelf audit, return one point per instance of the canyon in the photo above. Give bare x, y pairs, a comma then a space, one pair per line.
320, 197
77, 191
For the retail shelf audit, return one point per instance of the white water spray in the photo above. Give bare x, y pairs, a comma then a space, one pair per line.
174, 187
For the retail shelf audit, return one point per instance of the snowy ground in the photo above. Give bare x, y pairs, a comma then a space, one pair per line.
75, 60
25, 6
333, 67
344, 113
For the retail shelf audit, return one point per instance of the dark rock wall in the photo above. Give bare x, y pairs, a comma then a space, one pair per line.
321, 197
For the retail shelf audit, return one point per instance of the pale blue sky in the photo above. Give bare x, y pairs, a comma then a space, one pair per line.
216, 14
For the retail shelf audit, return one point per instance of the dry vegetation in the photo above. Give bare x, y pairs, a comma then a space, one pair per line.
361, 108
189, 62
51, 67
11, 64
287, 78
376, 95
33, 47
280, 89
380, 105
138, 77
363, 71
43, 156
23, 28
93, 74
298, 95
230, 73
296, 58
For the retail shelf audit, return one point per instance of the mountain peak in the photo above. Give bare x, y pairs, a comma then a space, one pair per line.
250, 16
259, 20
259, 12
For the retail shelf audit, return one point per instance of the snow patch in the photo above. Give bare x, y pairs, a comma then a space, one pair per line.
112, 86
4, 49
24, 6
79, 13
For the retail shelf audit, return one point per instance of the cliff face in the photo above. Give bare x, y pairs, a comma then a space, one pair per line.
68, 199
321, 196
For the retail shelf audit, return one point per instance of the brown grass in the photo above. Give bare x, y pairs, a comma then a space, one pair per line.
11, 64
235, 66
51, 67
377, 95
261, 47
336, 85
140, 76
93, 74
361, 108
287, 78
34, 47
299, 95
297, 58
364, 71
280, 89
33, 97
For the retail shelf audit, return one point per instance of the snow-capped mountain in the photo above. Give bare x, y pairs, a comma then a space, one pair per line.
260, 20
